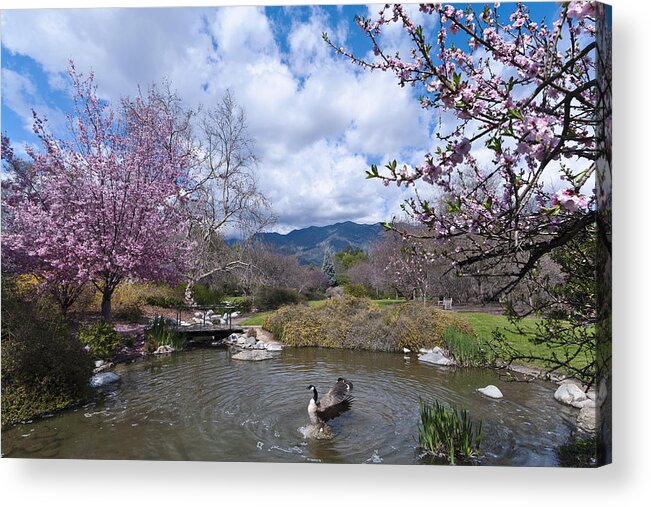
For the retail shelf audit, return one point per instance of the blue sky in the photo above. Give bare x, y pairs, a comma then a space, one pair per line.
318, 121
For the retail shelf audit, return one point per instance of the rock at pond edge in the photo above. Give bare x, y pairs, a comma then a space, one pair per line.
102, 379
491, 391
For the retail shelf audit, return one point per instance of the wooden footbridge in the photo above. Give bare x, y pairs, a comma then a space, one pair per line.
215, 321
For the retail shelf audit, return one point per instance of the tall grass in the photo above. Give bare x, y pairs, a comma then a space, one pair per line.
162, 332
447, 432
467, 349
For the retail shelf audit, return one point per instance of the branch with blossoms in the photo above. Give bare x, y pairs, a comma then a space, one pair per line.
525, 90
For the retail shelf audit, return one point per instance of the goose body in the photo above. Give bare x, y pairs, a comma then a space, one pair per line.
335, 402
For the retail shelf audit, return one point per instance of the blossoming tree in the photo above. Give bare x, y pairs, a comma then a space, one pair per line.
525, 90
101, 205
535, 95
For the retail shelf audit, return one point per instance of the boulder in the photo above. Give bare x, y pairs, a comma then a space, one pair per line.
253, 355
99, 363
210, 313
274, 347
585, 404
406, 350
436, 358
164, 349
235, 315
250, 340
491, 391
198, 315
102, 379
570, 394
587, 419
241, 340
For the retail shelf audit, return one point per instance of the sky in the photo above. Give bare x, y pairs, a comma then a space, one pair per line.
318, 121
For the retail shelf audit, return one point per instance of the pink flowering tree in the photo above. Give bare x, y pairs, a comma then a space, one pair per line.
102, 205
525, 91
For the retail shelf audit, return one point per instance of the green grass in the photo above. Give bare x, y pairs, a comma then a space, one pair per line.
485, 324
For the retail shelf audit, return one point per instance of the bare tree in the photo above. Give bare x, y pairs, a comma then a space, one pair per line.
225, 197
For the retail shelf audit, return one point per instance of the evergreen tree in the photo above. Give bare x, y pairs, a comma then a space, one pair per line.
328, 268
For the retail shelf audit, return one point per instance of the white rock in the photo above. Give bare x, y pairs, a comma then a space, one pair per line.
253, 355
234, 337
185, 323
406, 350
222, 321
273, 347
438, 350
425, 351
491, 391
584, 404
250, 340
102, 379
210, 313
198, 315
569, 394
438, 359
587, 419
99, 363
164, 349
235, 314
241, 340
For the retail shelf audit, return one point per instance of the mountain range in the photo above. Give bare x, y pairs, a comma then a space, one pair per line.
310, 244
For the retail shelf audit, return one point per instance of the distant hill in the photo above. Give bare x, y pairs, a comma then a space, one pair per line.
310, 243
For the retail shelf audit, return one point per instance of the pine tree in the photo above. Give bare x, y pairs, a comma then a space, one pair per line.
328, 268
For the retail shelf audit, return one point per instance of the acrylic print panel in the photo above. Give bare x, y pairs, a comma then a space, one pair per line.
313, 234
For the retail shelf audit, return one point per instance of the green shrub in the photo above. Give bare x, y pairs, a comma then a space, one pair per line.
44, 368
244, 304
204, 295
102, 340
272, 298
447, 432
132, 313
358, 290
578, 452
163, 332
467, 349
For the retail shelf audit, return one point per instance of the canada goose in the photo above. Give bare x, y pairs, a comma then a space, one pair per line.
335, 402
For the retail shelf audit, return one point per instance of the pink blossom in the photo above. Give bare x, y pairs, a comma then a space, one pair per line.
570, 200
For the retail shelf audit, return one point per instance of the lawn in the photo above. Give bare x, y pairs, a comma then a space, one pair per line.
485, 324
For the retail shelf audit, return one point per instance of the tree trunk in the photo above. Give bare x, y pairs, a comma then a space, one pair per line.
189, 293
106, 304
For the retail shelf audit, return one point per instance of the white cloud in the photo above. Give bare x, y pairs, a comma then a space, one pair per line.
315, 117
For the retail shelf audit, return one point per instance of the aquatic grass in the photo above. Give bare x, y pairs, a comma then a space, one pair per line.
163, 332
467, 349
447, 431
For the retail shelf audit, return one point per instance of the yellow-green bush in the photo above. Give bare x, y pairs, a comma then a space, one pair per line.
357, 323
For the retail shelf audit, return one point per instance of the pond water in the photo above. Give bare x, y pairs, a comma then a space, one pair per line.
203, 405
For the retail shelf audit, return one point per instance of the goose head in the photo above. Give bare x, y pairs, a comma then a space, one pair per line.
314, 391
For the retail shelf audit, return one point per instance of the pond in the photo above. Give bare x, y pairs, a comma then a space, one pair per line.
203, 405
